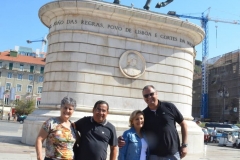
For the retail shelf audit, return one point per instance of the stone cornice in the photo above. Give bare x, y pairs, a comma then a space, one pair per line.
122, 14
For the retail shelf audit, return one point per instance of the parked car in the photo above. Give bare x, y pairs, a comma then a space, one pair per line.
230, 137
215, 138
21, 118
220, 125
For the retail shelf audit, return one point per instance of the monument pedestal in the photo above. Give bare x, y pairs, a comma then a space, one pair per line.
102, 51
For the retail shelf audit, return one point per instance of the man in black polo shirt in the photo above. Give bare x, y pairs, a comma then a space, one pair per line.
96, 134
159, 124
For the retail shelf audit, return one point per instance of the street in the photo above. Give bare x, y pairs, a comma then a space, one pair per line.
10, 132
11, 126
11, 147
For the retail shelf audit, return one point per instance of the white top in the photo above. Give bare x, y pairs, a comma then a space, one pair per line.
144, 149
214, 132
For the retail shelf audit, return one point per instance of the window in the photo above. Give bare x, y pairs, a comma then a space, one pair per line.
8, 86
31, 69
0, 64
39, 90
234, 67
0, 74
21, 67
30, 77
40, 79
20, 76
10, 66
19, 87
41, 70
6, 100
29, 89
9, 75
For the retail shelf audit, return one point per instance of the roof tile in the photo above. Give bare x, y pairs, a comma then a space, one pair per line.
22, 59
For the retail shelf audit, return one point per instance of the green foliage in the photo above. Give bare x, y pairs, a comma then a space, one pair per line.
25, 107
202, 124
238, 125
197, 67
198, 63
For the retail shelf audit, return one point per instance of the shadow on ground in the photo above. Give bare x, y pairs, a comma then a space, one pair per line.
12, 140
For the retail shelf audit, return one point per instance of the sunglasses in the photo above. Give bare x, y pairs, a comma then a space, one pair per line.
147, 95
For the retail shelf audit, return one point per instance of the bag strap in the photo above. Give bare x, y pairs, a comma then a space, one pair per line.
76, 134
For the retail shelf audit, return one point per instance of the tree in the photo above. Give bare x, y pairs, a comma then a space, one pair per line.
25, 107
197, 67
198, 63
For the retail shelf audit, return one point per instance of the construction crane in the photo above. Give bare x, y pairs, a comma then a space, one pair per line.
204, 21
43, 40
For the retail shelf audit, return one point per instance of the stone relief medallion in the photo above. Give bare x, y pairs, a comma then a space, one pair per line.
132, 64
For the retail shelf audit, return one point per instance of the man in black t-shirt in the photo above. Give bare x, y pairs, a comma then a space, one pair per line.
96, 134
159, 124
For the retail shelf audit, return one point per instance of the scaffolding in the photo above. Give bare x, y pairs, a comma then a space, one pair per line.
223, 83
224, 87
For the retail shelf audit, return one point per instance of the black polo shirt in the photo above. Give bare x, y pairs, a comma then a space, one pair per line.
160, 126
95, 138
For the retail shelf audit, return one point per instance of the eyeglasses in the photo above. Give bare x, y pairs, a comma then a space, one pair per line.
147, 95
99, 110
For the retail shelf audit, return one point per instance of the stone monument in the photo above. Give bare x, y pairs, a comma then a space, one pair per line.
104, 51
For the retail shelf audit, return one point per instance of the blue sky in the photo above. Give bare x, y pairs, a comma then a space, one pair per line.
19, 22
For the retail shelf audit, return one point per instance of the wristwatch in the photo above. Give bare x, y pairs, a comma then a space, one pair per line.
184, 145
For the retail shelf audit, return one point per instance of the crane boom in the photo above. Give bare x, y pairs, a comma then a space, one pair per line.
224, 21
208, 19
44, 42
204, 20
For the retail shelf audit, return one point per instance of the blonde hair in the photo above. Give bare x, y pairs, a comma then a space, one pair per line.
133, 115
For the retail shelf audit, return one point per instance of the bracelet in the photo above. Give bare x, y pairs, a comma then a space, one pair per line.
184, 145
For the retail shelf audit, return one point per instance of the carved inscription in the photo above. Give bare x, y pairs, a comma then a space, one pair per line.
114, 27
90, 23
119, 28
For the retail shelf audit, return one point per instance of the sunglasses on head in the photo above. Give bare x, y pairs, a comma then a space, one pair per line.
147, 95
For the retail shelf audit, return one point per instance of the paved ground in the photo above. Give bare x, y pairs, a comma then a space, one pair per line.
11, 147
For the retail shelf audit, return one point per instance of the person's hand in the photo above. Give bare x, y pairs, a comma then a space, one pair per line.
183, 152
121, 142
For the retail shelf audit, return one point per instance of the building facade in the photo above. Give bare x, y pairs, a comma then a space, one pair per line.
223, 89
22, 75
196, 100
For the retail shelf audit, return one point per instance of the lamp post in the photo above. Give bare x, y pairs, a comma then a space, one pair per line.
223, 93
2, 91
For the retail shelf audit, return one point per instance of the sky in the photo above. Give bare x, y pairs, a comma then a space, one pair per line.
19, 22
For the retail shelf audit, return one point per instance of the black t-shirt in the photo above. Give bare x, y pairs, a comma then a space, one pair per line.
95, 138
160, 127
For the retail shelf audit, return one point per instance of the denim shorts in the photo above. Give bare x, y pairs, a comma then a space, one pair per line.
176, 156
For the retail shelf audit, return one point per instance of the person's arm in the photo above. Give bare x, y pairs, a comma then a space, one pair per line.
183, 125
113, 152
123, 150
39, 141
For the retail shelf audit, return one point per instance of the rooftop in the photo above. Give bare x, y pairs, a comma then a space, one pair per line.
21, 58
